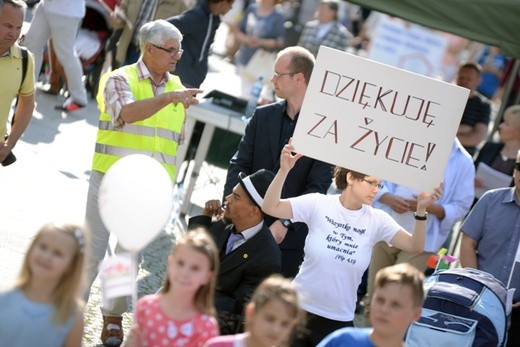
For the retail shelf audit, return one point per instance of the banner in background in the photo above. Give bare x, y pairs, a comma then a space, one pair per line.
407, 46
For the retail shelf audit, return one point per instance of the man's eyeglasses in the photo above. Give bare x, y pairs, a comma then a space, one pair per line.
517, 166
172, 51
374, 184
280, 74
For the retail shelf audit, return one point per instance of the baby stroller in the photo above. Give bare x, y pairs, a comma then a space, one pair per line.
92, 38
90, 45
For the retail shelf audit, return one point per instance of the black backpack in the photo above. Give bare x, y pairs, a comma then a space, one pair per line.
25, 63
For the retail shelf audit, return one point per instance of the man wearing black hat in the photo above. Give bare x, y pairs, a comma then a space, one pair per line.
247, 249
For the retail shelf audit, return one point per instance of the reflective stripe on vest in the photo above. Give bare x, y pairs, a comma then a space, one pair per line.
142, 130
121, 152
156, 136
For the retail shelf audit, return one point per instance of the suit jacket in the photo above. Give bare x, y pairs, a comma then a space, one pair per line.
244, 268
260, 149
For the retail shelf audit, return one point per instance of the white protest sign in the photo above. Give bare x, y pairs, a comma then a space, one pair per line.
379, 120
407, 46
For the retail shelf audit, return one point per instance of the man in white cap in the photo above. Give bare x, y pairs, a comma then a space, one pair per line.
247, 249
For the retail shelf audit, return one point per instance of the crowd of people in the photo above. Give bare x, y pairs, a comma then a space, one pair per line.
257, 265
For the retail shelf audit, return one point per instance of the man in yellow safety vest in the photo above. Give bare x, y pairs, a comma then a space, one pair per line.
143, 108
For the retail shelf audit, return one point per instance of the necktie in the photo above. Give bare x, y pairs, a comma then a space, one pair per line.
231, 241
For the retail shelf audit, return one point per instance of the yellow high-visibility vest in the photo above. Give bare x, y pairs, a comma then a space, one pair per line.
156, 136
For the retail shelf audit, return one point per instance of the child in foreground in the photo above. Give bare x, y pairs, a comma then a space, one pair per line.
397, 302
182, 314
44, 307
270, 317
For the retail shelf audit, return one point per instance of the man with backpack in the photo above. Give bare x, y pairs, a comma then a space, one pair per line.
491, 239
16, 78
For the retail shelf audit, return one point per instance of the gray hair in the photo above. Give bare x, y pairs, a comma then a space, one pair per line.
158, 32
15, 3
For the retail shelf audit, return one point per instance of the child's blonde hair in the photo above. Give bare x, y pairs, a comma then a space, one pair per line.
202, 242
277, 287
66, 295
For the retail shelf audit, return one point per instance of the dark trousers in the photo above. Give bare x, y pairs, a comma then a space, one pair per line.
513, 334
316, 328
292, 249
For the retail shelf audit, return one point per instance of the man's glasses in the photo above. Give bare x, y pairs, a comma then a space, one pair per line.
374, 184
280, 74
172, 51
517, 166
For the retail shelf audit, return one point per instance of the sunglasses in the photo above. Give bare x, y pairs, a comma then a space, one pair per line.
517, 166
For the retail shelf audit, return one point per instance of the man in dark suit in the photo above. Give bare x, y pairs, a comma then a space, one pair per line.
268, 131
247, 249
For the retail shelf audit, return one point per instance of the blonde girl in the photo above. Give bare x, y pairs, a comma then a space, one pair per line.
44, 308
182, 313
271, 316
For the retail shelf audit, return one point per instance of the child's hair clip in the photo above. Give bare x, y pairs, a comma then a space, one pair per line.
81, 240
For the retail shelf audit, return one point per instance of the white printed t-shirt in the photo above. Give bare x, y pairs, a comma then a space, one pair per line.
337, 252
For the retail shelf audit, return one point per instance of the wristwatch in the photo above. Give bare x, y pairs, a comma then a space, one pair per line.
286, 222
417, 217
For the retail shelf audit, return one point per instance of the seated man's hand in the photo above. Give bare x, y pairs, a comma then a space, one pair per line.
213, 208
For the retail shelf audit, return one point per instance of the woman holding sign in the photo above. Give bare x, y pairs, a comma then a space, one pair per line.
342, 230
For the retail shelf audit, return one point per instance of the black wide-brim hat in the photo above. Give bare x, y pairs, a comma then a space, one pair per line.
256, 184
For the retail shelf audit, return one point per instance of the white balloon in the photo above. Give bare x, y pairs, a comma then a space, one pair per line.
135, 200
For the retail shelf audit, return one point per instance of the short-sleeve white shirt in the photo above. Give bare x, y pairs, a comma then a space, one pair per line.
337, 252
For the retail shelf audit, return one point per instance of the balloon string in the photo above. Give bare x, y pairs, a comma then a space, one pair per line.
134, 276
